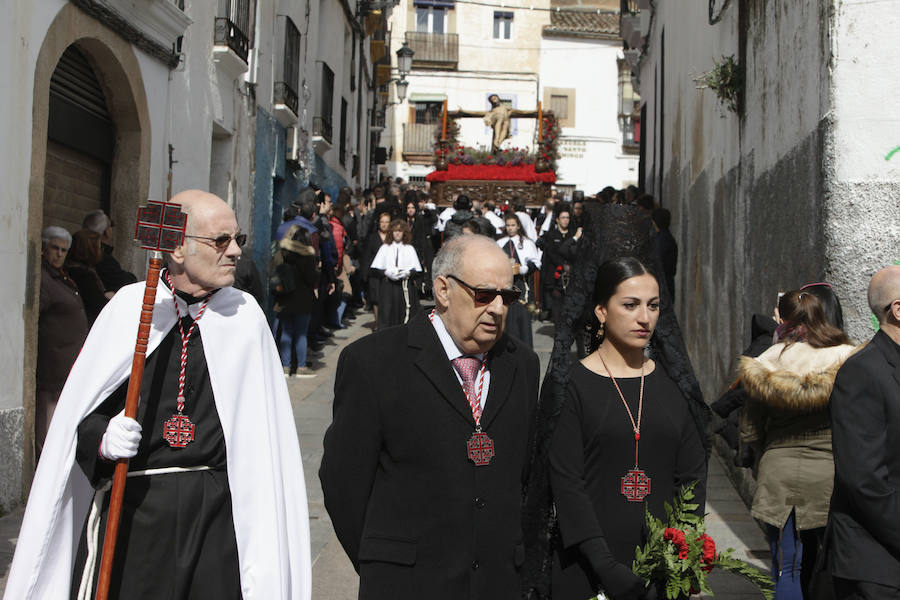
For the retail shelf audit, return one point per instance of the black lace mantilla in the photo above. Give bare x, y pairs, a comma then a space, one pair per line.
609, 231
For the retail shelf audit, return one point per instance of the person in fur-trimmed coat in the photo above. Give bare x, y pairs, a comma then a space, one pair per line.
787, 422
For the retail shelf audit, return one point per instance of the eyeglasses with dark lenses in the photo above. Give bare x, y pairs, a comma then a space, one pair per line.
221, 242
487, 295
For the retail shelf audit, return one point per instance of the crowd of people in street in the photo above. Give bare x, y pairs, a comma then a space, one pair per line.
450, 469
373, 249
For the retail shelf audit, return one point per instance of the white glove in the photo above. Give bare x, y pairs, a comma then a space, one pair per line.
392, 273
123, 434
430, 206
403, 274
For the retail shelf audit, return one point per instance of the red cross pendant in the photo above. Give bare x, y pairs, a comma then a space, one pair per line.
480, 448
635, 485
178, 431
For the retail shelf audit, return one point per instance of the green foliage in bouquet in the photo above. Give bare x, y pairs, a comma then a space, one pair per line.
679, 554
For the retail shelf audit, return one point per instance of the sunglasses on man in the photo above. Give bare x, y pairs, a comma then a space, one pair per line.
221, 242
487, 295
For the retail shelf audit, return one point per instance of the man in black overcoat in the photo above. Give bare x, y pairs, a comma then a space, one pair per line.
416, 514
863, 535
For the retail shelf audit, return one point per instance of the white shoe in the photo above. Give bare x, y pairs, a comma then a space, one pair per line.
304, 373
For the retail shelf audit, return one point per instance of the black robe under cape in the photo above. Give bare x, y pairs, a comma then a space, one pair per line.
176, 535
518, 319
392, 309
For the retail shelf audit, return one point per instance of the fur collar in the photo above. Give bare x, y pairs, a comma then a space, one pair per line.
796, 379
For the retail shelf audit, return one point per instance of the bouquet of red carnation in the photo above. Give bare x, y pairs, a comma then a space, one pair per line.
679, 554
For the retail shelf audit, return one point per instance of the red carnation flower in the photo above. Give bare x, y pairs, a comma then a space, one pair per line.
709, 552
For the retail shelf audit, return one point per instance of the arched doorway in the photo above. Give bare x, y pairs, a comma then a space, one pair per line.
109, 168
80, 143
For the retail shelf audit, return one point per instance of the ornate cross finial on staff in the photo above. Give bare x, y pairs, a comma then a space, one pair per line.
160, 228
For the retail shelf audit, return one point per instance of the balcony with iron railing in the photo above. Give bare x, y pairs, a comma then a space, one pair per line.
418, 142
378, 120
434, 50
228, 34
631, 134
322, 129
284, 94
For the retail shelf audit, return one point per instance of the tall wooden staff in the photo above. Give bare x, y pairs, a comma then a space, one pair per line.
160, 228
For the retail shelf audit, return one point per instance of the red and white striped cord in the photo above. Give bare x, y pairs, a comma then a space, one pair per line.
185, 338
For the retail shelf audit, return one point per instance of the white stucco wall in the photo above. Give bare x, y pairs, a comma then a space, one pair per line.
21, 36
863, 203
590, 67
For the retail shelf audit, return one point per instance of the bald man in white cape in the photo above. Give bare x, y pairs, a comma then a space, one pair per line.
249, 410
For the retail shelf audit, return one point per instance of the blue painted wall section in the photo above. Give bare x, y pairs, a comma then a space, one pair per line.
269, 160
275, 185
326, 178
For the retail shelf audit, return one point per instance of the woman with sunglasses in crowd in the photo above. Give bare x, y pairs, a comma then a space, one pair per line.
787, 423
523, 256
398, 264
625, 439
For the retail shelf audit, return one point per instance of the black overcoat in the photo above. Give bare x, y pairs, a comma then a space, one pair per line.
415, 516
863, 537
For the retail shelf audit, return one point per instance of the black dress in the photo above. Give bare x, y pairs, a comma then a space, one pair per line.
176, 536
592, 449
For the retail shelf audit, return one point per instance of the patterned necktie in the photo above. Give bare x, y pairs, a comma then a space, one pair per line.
468, 367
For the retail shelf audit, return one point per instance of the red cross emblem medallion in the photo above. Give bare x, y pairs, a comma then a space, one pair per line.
178, 431
481, 448
635, 486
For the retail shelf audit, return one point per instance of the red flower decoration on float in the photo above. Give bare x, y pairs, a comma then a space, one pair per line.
524, 173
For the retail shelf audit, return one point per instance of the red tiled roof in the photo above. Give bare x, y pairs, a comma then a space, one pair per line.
583, 23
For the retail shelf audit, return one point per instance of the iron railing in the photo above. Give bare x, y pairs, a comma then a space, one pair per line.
283, 94
322, 128
434, 49
418, 138
233, 26
378, 119
228, 34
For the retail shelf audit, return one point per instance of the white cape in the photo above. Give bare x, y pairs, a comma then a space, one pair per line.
398, 255
265, 473
528, 252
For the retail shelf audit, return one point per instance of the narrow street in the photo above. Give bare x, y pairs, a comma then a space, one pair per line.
728, 520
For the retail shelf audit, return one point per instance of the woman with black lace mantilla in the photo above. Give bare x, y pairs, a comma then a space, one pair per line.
622, 428
625, 438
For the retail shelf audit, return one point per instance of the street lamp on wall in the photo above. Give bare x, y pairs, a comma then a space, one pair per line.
402, 86
404, 59
404, 66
